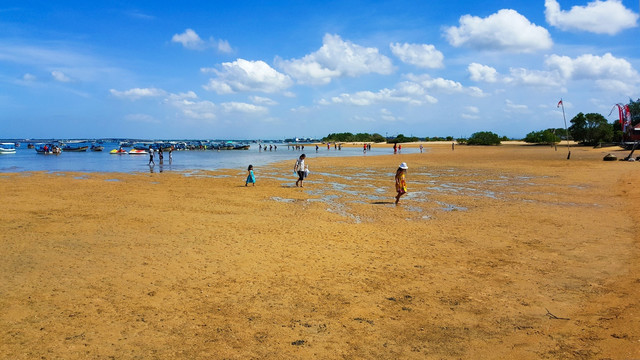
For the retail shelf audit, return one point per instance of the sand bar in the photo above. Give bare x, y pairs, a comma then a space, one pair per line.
497, 252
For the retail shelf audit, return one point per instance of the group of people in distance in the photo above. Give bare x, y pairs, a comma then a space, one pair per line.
160, 155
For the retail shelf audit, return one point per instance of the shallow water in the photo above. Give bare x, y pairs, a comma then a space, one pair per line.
183, 161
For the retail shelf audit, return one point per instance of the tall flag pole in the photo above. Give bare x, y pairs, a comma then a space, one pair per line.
566, 129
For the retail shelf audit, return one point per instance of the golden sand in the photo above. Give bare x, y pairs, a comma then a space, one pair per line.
496, 252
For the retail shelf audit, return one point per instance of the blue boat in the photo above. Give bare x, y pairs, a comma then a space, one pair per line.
7, 148
75, 147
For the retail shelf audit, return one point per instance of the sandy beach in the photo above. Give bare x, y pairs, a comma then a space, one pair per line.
496, 252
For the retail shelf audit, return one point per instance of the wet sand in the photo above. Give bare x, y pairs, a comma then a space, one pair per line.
496, 252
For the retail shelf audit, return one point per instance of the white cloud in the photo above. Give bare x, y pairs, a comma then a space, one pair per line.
224, 47
510, 106
421, 55
539, 78
60, 76
366, 98
593, 67
243, 75
607, 72
138, 93
191, 107
415, 91
443, 85
387, 115
263, 100
191, 40
600, 17
471, 113
336, 58
29, 77
479, 72
472, 109
505, 30
243, 108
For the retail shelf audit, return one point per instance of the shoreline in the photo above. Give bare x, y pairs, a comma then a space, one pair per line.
180, 167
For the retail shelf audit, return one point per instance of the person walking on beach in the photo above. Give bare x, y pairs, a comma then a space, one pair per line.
170, 154
151, 156
251, 178
401, 184
160, 155
299, 168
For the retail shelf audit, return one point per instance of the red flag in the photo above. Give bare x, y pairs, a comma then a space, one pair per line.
559, 103
627, 118
621, 114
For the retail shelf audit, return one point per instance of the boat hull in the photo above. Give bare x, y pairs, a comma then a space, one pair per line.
7, 148
138, 152
74, 149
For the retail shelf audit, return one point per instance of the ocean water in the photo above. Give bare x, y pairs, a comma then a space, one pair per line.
183, 161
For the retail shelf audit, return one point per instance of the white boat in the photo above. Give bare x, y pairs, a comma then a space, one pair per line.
7, 148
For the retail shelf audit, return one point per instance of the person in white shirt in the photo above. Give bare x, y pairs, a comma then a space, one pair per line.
299, 168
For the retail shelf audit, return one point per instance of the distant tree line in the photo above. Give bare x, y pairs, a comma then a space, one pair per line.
377, 138
482, 138
349, 137
587, 129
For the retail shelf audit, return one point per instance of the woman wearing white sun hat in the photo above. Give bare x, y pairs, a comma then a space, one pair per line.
401, 184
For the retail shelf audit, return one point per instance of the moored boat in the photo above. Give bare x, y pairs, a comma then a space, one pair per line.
137, 152
241, 147
75, 148
7, 148
47, 149
95, 147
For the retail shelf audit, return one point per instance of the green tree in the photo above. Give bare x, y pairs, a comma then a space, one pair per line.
484, 138
403, 139
377, 138
617, 131
542, 137
634, 109
590, 129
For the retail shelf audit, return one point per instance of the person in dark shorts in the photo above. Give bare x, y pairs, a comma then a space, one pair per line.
299, 168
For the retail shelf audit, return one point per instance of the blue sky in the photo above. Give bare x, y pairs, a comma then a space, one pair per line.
277, 69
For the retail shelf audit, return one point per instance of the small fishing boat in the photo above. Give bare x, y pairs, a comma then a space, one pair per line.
75, 148
47, 149
30, 146
7, 148
241, 147
95, 147
120, 151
